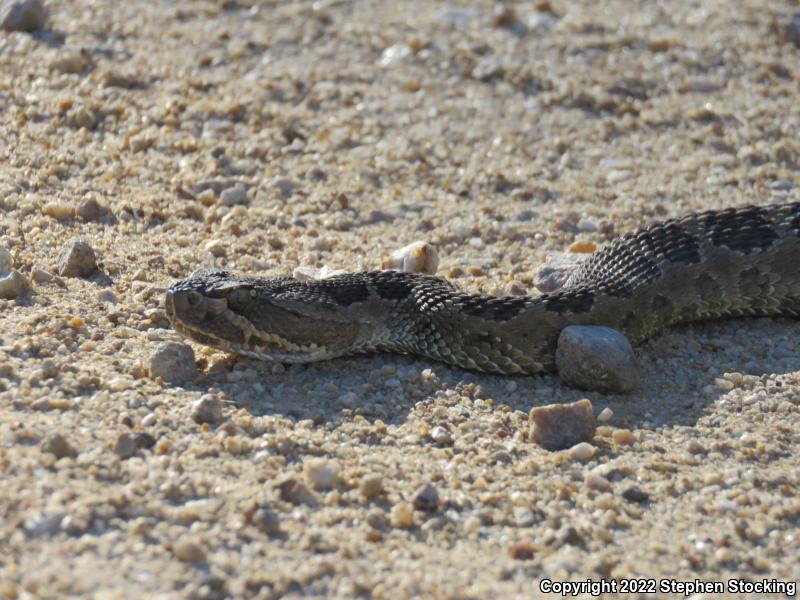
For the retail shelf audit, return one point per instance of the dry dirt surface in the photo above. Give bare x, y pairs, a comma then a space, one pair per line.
264, 136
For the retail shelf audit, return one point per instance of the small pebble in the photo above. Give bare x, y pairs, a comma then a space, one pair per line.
605, 415
69, 62
76, 259
582, 452
57, 445
41, 276
522, 551
13, 285
59, 211
441, 436
22, 15
696, 447
426, 498
125, 446
296, 492
233, 195
188, 551
592, 357
595, 481
635, 494
417, 257
215, 248
267, 521
560, 426
402, 515
371, 486
583, 247
321, 474
207, 409
173, 362
623, 437
143, 440
90, 209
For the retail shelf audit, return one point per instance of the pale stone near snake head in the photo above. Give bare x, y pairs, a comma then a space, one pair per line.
561, 426
173, 362
416, 257
593, 357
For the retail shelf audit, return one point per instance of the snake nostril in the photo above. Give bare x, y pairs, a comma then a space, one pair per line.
193, 299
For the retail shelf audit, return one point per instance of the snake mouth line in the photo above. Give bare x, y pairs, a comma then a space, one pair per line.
257, 344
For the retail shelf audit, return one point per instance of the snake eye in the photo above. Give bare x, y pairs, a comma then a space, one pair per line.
193, 298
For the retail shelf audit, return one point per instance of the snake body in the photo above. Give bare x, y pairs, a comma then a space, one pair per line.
726, 263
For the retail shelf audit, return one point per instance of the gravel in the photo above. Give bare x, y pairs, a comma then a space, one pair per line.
499, 135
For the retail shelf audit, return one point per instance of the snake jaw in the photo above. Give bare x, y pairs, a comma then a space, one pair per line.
210, 307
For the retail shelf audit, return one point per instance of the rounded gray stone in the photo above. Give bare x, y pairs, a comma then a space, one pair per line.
24, 15
76, 259
593, 357
173, 362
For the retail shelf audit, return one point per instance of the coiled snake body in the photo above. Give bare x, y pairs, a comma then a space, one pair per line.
726, 263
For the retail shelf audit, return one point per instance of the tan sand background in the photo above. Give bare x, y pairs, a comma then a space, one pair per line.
498, 133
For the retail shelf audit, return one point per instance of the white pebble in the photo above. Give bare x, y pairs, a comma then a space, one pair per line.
416, 257
605, 415
582, 451
321, 474
441, 436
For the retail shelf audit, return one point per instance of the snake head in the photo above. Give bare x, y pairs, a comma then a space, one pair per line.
277, 319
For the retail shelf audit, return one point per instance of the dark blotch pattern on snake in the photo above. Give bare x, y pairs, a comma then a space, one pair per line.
727, 263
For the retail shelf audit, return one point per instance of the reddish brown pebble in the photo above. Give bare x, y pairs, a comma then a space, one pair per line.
522, 551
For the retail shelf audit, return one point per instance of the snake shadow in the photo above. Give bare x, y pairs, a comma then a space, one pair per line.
680, 372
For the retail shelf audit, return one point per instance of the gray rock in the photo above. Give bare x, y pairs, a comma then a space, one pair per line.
124, 447
267, 521
14, 285
234, 195
559, 426
556, 271
173, 362
90, 209
597, 358
24, 15
76, 259
207, 409
426, 498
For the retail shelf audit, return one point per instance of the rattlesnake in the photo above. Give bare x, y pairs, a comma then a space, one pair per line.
725, 263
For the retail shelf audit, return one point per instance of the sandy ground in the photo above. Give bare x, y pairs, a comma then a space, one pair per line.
499, 135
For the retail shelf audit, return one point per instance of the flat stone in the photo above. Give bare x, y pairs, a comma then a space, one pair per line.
76, 259
560, 426
592, 357
173, 362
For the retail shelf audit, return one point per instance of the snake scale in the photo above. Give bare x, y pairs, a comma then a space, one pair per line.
726, 263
